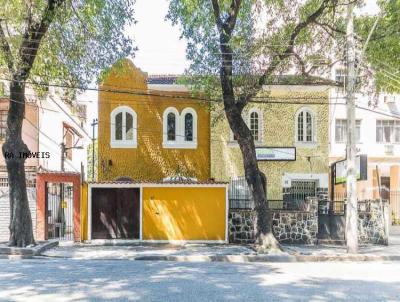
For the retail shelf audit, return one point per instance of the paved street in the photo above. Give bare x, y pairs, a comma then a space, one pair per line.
116, 280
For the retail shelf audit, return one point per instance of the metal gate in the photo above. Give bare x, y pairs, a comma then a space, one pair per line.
295, 197
59, 204
239, 194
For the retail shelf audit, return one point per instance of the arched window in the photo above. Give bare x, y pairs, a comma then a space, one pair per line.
305, 126
180, 130
188, 127
123, 128
171, 127
189, 120
255, 125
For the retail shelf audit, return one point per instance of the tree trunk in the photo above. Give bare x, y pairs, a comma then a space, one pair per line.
256, 181
21, 233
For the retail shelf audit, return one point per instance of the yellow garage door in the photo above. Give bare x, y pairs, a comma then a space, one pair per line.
184, 213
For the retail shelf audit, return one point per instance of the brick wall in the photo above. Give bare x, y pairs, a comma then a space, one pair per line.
5, 211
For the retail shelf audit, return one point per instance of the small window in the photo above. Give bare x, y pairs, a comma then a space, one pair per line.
69, 143
118, 127
305, 126
388, 131
3, 124
123, 128
171, 126
188, 127
341, 131
254, 125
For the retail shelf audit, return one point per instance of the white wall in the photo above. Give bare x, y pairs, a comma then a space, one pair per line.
5, 211
53, 113
368, 145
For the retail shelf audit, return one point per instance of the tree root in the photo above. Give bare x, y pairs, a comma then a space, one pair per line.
267, 243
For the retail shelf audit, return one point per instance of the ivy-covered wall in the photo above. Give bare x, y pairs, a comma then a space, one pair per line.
278, 130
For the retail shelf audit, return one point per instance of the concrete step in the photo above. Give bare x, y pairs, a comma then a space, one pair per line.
331, 241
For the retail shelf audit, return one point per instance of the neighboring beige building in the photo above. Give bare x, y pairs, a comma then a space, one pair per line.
301, 124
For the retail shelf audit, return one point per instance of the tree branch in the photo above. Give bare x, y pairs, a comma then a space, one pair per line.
33, 36
217, 15
277, 59
6, 50
230, 22
301, 62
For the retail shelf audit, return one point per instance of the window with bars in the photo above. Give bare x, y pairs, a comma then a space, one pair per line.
387, 131
3, 124
341, 131
305, 126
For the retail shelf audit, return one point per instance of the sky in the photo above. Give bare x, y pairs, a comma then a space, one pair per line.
160, 49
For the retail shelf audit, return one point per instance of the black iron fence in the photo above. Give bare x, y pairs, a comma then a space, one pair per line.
239, 194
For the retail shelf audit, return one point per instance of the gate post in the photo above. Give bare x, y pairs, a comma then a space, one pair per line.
41, 223
76, 183
41, 195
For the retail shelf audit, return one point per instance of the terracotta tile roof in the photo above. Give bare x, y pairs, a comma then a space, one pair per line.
162, 79
285, 79
58, 172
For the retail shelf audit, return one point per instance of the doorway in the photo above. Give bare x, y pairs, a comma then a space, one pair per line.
115, 213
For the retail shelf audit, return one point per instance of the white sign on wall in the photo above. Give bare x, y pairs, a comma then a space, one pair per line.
340, 169
276, 153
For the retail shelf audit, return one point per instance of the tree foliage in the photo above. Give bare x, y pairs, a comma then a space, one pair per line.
84, 37
383, 52
247, 44
261, 35
67, 41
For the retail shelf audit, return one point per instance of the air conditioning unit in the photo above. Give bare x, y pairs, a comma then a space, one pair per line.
389, 99
389, 149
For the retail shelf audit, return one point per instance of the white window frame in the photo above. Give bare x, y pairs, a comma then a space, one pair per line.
393, 132
189, 144
123, 143
260, 124
343, 141
233, 143
304, 142
179, 142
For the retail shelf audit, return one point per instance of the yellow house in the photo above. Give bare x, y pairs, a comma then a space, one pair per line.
290, 126
153, 164
150, 128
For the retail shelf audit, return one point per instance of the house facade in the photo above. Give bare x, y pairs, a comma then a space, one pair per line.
377, 137
51, 120
291, 124
153, 164
150, 130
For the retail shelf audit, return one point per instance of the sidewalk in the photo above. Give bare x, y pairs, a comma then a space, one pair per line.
228, 253
392, 250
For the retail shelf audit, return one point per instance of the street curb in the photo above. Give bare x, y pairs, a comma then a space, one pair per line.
16, 253
269, 258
